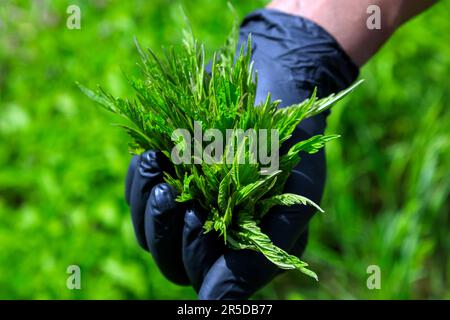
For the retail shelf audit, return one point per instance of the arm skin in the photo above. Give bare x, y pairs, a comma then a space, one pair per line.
346, 20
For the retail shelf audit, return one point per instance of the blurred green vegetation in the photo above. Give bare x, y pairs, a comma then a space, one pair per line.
62, 164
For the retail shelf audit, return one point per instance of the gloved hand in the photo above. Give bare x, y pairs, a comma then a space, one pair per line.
292, 56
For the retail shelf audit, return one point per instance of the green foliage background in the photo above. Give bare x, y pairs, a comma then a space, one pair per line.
62, 165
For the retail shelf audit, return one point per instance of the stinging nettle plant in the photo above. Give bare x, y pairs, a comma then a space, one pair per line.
174, 92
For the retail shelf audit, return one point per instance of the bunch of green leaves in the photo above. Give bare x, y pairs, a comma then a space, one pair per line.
175, 91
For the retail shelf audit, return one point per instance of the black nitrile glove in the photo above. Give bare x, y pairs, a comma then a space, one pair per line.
292, 56
157, 218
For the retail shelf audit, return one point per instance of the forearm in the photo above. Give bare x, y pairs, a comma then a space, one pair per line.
346, 20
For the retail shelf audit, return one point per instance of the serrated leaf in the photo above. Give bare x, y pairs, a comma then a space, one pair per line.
224, 194
286, 199
260, 186
252, 234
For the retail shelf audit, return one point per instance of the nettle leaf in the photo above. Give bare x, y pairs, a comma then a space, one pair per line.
135, 148
236, 163
212, 176
174, 182
186, 194
209, 224
224, 192
138, 137
253, 238
286, 199
289, 117
312, 145
101, 97
325, 103
228, 215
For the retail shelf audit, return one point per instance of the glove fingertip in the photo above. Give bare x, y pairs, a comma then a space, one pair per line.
162, 198
150, 164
